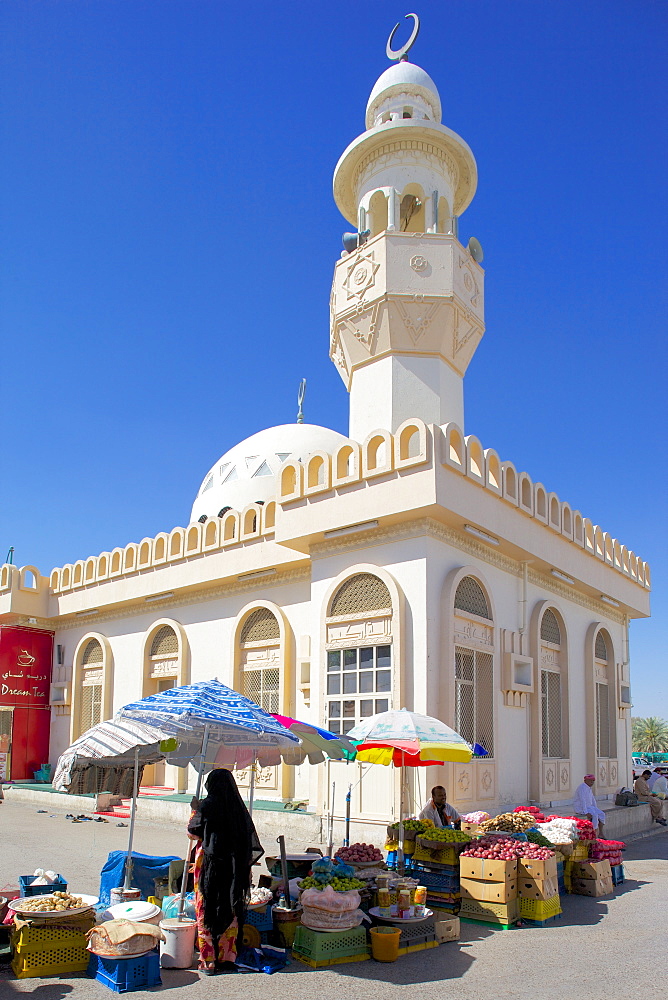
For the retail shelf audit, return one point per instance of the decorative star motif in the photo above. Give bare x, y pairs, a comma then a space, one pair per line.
361, 275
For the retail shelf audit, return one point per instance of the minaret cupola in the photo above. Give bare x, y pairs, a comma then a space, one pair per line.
407, 301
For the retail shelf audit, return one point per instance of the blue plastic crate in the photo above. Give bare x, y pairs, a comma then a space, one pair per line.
617, 874
439, 881
124, 975
540, 923
60, 885
263, 921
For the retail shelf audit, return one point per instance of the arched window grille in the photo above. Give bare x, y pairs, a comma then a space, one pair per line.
261, 660
361, 593
606, 736
550, 687
92, 686
470, 597
165, 642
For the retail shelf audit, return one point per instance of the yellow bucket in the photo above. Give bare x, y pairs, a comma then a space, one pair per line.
385, 943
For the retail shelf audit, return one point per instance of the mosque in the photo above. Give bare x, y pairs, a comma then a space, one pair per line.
332, 577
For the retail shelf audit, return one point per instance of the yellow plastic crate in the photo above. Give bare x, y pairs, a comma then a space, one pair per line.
444, 856
330, 961
50, 962
581, 850
504, 914
42, 938
540, 909
418, 947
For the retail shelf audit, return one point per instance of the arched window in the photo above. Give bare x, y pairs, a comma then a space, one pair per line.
474, 666
260, 659
91, 699
550, 686
606, 742
359, 652
470, 597
165, 642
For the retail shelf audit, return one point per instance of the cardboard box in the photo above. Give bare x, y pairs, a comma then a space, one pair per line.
592, 886
475, 828
537, 869
491, 913
591, 869
533, 888
487, 870
446, 929
490, 892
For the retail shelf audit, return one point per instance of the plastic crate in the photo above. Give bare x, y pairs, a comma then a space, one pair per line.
440, 881
263, 921
319, 948
548, 922
495, 914
123, 975
419, 946
437, 856
539, 909
618, 875
417, 933
44, 939
60, 885
581, 850
58, 961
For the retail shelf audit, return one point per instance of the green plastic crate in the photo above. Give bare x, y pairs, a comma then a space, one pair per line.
324, 946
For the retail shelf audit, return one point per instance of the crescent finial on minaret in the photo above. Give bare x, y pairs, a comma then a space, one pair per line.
402, 53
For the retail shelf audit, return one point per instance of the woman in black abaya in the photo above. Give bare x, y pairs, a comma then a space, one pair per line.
227, 847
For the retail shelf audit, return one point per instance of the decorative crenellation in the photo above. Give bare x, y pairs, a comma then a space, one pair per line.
413, 444
233, 528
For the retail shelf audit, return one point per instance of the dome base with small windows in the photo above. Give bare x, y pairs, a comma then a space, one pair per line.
247, 472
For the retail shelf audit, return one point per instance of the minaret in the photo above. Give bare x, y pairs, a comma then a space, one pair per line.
407, 298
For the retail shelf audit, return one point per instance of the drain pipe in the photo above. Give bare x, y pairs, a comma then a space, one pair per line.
523, 602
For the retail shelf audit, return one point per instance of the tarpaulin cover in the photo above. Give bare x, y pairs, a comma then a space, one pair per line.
145, 869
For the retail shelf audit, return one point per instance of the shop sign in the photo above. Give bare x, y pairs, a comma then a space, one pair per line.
25, 666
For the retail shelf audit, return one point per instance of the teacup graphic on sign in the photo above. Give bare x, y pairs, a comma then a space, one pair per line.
25, 659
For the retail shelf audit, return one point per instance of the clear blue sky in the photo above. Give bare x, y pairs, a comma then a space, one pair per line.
169, 236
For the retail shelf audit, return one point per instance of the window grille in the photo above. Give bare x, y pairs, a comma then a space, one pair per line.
551, 713
601, 647
6, 723
602, 721
361, 682
474, 697
165, 642
91, 706
262, 687
360, 594
92, 653
549, 628
471, 597
260, 626
208, 484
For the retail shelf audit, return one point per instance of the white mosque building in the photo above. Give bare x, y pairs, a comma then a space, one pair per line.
408, 564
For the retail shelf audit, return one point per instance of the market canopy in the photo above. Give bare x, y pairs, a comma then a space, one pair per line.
408, 739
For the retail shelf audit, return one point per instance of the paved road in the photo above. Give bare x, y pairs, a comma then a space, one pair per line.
592, 953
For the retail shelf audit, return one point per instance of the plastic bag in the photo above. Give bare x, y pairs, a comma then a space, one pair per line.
170, 906
265, 959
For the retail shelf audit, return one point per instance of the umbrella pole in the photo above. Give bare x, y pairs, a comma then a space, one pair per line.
331, 823
198, 790
400, 845
133, 813
346, 841
251, 790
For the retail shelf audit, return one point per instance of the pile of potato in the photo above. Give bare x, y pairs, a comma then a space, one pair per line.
56, 901
515, 822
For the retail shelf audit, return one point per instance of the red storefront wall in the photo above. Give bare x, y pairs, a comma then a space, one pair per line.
26, 658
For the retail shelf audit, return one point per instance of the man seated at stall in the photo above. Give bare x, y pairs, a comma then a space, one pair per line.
584, 804
643, 792
439, 810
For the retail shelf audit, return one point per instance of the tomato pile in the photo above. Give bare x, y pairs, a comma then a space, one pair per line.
359, 852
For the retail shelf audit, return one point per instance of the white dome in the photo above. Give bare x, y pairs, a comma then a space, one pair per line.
403, 77
247, 472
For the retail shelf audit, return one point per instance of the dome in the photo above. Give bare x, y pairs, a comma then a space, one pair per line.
247, 472
403, 78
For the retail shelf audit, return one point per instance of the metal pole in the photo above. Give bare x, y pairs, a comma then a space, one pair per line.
330, 839
251, 790
400, 845
186, 867
133, 813
284, 871
346, 839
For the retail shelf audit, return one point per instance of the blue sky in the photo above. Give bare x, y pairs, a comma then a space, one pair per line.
169, 237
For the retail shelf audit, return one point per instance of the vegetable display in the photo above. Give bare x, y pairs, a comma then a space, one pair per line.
363, 853
337, 884
418, 825
505, 849
513, 822
538, 838
446, 835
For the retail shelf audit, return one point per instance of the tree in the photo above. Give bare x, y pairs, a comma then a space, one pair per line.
649, 735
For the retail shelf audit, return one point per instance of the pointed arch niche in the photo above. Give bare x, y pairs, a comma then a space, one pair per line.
469, 681
550, 729
92, 683
166, 664
263, 659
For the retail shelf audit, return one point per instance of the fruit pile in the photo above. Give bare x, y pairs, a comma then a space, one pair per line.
446, 835
514, 822
505, 849
531, 809
56, 901
337, 884
359, 852
412, 824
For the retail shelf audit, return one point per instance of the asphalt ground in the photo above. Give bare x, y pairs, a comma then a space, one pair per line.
600, 949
